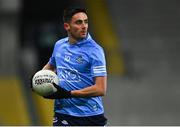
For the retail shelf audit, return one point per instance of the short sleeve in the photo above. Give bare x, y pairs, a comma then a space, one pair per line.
98, 63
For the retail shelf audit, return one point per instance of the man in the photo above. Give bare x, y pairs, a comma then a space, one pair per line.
80, 65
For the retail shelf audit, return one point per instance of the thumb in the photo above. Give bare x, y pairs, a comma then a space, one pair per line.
55, 85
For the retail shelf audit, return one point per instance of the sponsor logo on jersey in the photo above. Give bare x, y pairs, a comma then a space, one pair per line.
67, 74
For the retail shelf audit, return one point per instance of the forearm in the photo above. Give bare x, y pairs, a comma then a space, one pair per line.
89, 92
98, 89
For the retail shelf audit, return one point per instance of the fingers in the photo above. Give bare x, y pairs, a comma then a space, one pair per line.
52, 96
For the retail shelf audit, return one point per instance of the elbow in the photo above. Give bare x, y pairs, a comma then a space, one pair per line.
102, 92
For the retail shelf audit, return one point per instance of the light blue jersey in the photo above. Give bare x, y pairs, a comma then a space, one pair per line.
77, 65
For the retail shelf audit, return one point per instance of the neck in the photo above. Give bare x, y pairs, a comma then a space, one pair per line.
72, 40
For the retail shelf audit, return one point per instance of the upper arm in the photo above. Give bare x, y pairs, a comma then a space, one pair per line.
101, 84
49, 66
98, 70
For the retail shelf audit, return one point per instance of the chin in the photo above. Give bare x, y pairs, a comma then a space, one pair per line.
83, 36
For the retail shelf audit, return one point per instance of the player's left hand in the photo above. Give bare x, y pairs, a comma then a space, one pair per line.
59, 94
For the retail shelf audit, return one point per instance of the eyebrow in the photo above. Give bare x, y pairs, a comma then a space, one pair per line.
79, 20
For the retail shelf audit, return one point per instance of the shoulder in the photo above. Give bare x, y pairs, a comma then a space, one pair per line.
96, 48
93, 50
91, 45
61, 42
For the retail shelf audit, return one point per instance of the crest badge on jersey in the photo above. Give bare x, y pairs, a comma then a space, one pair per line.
79, 59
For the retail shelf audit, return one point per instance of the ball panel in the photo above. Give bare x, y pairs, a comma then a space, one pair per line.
42, 82
45, 89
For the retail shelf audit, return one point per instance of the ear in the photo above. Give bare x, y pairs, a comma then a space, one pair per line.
66, 26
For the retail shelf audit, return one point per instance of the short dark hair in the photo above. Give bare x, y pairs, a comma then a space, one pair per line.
70, 11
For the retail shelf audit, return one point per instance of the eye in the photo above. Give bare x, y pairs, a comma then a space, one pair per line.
78, 22
86, 21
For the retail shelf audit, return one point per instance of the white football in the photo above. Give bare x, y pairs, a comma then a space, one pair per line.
42, 82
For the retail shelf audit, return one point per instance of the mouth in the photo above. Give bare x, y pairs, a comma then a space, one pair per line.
83, 32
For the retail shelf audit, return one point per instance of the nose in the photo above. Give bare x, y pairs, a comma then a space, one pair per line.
84, 25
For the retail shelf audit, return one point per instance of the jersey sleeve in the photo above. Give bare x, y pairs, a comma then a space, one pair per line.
98, 63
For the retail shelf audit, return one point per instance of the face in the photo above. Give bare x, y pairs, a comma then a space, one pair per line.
77, 27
